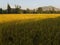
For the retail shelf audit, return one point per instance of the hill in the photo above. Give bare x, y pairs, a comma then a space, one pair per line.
50, 8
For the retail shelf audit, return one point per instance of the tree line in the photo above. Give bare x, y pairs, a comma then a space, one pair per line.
18, 10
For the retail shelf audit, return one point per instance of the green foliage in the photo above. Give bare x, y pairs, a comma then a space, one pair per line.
39, 10
17, 9
40, 32
8, 9
1, 10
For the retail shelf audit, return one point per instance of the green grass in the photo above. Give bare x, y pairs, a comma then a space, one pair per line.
39, 32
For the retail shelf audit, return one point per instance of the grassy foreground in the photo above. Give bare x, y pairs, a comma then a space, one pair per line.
30, 32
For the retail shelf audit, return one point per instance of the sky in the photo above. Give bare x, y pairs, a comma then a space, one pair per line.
31, 4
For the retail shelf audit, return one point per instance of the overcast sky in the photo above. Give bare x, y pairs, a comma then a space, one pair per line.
29, 3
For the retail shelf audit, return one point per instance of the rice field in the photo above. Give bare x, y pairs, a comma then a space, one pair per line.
44, 31
13, 17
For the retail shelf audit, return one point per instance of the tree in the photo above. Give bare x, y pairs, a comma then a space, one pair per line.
39, 10
8, 9
34, 11
24, 11
28, 10
17, 9
0, 10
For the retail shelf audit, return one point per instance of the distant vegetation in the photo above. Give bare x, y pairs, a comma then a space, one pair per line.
18, 10
40, 32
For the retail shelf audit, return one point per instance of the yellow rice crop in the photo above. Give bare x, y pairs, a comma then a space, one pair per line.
12, 17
